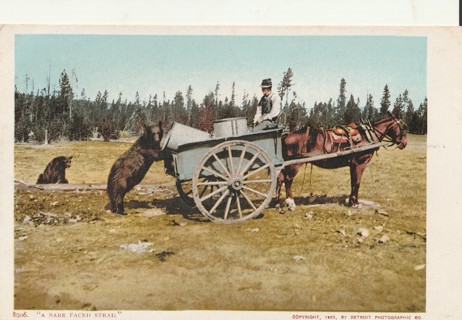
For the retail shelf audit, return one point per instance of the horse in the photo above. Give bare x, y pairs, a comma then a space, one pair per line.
316, 141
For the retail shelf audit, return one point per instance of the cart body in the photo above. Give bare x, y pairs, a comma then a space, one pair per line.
182, 159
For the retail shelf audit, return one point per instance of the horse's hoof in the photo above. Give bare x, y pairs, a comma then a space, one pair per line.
290, 204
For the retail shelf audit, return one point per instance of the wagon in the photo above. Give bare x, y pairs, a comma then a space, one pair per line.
230, 176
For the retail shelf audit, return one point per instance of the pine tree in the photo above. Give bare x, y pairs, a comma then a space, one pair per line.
422, 117
189, 101
411, 118
228, 109
179, 112
232, 101
83, 95
341, 103
285, 84
314, 119
369, 112
217, 90
398, 107
79, 128
66, 95
385, 102
352, 111
330, 114
195, 112
284, 89
207, 113
249, 108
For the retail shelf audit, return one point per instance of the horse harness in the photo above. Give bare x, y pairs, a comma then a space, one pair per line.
345, 135
383, 135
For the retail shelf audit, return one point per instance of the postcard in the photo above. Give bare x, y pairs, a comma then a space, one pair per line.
230, 172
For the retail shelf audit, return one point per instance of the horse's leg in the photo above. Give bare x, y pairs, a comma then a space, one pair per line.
277, 193
289, 202
289, 179
357, 167
353, 201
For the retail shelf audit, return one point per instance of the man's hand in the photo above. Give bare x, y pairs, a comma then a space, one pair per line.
260, 120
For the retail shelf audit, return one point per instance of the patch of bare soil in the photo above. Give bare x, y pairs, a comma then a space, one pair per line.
71, 254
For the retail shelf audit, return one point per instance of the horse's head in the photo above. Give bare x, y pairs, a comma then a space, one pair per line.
396, 131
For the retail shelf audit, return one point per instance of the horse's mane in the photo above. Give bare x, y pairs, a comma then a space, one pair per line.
384, 118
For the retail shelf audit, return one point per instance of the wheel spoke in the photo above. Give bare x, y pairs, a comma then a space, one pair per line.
256, 171
212, 183
215, 173
203, 191
219, 201
241, 158
213, 193
247, 167
231, 164
248, 200
255, 191
227, 207
239, 210
221, 164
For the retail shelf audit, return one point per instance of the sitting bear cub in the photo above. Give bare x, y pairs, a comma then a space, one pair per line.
55, 171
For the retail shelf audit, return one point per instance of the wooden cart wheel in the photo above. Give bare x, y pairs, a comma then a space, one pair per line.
234, 182
185, 191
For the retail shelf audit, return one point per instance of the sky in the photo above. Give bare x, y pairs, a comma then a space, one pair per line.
154, 64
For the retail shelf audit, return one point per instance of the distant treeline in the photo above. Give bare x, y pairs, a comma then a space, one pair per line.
64, 114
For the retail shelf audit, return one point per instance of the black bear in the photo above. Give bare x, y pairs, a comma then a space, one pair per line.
55, 171
132, 166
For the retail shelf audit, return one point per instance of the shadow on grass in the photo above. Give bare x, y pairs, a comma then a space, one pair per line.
316, 199
341, 200
175, 206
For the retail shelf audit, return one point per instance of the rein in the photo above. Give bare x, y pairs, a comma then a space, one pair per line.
383, 136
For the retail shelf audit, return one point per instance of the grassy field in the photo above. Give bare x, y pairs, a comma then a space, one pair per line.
72, 258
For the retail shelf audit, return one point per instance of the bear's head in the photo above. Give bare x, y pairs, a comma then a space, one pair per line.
153, 134
62, 162
68, 161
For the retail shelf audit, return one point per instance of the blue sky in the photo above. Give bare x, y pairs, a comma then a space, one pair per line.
157, 64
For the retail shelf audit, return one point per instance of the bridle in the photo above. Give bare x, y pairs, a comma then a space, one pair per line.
383, 136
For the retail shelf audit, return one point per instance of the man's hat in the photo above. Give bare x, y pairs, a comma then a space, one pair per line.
266, 83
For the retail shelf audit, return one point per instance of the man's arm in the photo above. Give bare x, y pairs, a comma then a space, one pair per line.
257, 117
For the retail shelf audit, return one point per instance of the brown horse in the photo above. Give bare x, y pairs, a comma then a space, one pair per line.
316, 141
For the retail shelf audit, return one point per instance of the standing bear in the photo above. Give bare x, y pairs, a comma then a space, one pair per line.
55, 171
132, 166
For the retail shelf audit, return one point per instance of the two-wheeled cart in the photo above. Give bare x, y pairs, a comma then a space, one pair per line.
231, 176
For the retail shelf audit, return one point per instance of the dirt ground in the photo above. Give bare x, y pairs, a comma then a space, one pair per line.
71, 255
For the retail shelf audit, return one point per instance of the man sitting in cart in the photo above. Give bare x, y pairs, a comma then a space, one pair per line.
268, 109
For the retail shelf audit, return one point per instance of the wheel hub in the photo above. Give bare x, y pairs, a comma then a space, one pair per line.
236, 184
